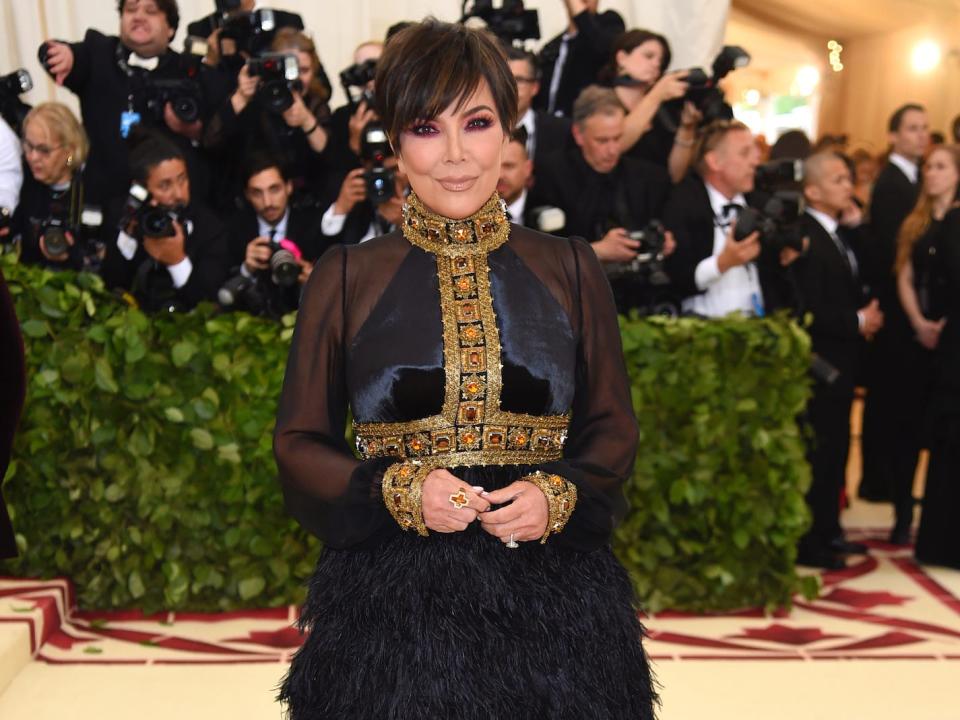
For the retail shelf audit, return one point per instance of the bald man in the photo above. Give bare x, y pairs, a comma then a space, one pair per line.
830, 288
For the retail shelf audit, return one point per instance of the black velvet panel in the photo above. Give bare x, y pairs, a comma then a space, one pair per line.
395, 363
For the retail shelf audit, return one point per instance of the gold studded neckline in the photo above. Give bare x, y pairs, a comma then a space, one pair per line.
484, 231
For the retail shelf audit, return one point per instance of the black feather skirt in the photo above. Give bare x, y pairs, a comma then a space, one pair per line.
459, 626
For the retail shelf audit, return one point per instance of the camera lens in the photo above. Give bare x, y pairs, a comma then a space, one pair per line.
276, 96
55, 239
186, 108
284, 268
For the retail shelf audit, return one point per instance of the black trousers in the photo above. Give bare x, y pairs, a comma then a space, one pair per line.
829, 415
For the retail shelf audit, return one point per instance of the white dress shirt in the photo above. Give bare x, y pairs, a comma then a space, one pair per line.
517, 208
332, 223
736, 290
907, 167
11, 169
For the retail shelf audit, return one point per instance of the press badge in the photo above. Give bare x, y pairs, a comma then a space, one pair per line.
128, 119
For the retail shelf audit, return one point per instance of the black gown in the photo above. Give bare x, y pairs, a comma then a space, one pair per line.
938, 537
457, 625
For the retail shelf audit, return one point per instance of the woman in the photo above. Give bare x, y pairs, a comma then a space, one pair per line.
928, 281
638, 61
48, 218
295, 136
467, 571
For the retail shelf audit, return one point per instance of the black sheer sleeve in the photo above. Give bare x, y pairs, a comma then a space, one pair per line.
602, 443
329, 492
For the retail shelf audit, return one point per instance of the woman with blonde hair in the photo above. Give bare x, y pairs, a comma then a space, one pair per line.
928, 282
48, 217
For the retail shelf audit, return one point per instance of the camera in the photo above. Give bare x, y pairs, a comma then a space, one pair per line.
183, 95
54, 233
510, 22
253, 294
375, 149
359, 76
649, 259
156, 221
85, 229
12, 108
778, 173
247, 32
704, 90
279, 75
777, 221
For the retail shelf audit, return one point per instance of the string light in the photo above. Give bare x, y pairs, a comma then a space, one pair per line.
835, 49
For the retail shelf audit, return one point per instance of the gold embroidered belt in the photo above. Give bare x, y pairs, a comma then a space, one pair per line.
464, 445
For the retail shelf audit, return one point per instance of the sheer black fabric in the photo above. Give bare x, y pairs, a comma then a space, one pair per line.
369, 336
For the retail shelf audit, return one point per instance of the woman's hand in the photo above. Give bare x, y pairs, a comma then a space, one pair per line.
246, 89
439, 514
928, 332
690, 117
671, 86
297, 115
524, 519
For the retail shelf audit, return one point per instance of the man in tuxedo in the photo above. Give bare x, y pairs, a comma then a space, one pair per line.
168, 272
715, 273
571, 60
830, 289
264, 225
545, 133
516, 172
889, 361
603, 194
113, 76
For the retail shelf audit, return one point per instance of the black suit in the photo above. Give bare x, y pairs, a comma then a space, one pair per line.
356, 224
830, 289
587, 53
150, 282
104, 90
303, 228
630, 196
890, 368
551, 134
12, 389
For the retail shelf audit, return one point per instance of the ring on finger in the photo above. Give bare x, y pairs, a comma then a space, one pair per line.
459, 499
511, 543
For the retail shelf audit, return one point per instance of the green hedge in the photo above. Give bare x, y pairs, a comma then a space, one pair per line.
143, 466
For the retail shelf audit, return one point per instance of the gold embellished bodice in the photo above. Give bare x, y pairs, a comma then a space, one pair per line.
471, 428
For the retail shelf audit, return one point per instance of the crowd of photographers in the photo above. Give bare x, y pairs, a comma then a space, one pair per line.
220, 173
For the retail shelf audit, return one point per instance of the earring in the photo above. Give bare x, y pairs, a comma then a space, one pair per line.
69, 160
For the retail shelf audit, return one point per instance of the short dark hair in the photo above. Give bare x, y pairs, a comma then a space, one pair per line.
149, 149
520, 135
516, 53
897, 118
628, 42
956, 129
258, 162
427, 66
167, 7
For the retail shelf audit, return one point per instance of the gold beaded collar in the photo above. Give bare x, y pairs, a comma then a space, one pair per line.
484, 231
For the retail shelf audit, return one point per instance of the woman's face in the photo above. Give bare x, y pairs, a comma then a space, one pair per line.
305, 62
46, 155
940, 174
643, 62
452, 162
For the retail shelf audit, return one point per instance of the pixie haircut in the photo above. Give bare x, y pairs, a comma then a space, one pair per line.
430, 65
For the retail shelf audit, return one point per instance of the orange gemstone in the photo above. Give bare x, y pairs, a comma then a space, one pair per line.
496, 439
470, 413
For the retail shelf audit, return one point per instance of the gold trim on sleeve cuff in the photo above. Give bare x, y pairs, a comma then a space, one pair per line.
561, 500
402, 493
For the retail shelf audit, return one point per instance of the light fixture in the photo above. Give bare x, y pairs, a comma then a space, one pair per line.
752, 97
926, 56
835, 49
806, 81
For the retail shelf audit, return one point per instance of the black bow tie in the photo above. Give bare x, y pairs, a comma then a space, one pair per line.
729, 208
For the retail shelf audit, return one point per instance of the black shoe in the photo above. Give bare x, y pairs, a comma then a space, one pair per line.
900, 536
821, 559
845, 547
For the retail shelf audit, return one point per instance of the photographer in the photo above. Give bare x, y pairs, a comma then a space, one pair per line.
348, 121
545, 133
48, 222
185, 260
11, 177
272, 111
266, 225
210, 27
831, 290
572, 60
116, 80
636, 72
370, 200
516, 174
603, 194
714, 272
